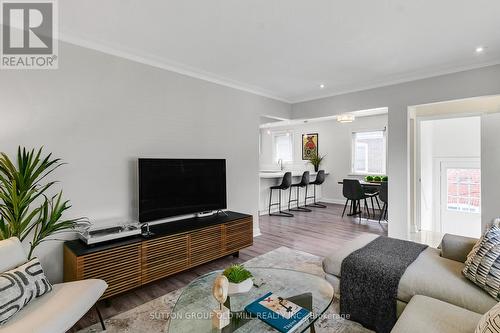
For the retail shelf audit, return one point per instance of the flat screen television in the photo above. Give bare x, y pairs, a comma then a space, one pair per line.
171, 187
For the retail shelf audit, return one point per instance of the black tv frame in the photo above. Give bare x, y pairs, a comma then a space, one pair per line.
223, 185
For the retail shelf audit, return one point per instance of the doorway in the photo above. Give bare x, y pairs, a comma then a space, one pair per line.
449, 175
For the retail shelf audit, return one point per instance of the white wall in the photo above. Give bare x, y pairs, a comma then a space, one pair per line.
479, 82
490, 168
334, 141
442, 139
99, 113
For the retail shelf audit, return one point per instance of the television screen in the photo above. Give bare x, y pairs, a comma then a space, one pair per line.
170, 187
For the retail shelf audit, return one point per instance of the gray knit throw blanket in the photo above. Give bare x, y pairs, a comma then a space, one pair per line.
370, 278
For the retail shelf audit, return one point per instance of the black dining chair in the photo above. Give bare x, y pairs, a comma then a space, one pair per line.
373, 192
320, 179
304, 182
354, 192
286, 183
383, 195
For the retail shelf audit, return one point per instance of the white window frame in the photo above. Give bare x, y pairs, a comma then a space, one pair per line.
290, 135
384, 166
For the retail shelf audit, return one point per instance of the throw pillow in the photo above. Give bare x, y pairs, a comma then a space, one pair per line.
483, 263
21, 285
490, 321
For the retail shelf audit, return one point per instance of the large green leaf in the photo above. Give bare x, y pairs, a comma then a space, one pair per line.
25, 209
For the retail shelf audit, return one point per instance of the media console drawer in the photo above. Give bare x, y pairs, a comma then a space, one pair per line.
130, 263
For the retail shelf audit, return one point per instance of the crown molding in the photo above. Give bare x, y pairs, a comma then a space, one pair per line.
405, 79
155, 61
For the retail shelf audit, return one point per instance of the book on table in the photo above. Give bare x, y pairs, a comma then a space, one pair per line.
281, 314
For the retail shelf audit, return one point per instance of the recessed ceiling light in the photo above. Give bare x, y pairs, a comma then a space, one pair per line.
321, 86
480, 49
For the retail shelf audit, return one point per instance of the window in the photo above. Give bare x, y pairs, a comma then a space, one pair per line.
464, 190
283, 147
368, 152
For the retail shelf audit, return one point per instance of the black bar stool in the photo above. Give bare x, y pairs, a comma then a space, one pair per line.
286, 183
303, 183
383, 194
320, 179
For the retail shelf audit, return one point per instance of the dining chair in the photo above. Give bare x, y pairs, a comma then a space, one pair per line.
354, 192
383, 195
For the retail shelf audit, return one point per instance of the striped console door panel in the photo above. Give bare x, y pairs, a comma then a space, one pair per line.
164, 256
238, 235
206, 245
119, 267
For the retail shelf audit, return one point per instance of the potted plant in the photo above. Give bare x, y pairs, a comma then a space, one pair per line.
26, 210
385, 179
377, 179
240, 279
316, 160
369, 178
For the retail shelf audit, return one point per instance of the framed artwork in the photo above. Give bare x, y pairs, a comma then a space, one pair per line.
309, 145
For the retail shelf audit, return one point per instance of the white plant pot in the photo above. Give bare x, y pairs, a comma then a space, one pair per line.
240, 288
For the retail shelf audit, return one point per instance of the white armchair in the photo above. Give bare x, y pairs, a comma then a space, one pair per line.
56, 311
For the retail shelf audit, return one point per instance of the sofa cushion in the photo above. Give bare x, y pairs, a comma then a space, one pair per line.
490, 321
429, 315
332, 263
20, 286
59, 310
430, 275
456, 247
12, 254
483, 264
437, 277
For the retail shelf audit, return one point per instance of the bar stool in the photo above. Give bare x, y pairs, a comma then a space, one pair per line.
303, 183
286, 183
320, 179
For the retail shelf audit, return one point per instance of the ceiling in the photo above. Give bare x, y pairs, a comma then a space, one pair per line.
286, 49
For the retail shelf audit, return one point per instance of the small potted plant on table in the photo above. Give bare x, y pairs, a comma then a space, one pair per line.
240, 279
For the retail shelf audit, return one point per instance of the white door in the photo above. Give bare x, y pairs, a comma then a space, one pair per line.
460, 209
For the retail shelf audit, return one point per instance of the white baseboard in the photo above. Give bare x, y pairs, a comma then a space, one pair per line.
284, 207
326, 200
334, 201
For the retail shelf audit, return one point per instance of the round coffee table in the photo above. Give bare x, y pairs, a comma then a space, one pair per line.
192, 312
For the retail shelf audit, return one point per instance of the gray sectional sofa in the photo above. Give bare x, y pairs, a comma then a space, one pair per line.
433, 295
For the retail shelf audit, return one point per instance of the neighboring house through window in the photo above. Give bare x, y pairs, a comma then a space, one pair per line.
369, 153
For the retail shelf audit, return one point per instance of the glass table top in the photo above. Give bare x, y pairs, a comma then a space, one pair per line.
192, 312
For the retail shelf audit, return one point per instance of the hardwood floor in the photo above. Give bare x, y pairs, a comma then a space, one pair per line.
319, 232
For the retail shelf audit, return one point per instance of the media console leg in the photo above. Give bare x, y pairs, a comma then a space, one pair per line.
236, 254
